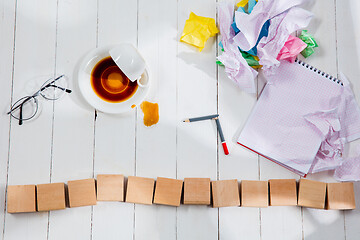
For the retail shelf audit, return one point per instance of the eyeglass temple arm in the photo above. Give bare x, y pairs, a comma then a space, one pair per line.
52, 82
20, 105
64, 89
21, 114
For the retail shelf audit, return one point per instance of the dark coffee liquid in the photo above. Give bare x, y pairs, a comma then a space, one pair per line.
110, 83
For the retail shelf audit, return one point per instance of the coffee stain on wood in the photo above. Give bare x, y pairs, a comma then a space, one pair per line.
151, 113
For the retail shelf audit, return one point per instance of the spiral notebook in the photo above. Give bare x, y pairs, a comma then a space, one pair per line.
277, 127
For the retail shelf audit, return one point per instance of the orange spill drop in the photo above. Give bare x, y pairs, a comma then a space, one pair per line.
151, 113
132, 106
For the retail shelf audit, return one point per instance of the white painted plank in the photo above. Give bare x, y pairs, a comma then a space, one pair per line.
322, 224
115, 134
278, 222
283, 222
197, 222
197, 96
239, 223
348, 46
157, 44
73, 124
30, 152
234, 108
197, 142
156, 145
352, 217
7, 12
155, 222
322, 27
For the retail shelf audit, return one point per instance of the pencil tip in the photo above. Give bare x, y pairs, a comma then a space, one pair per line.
186, 120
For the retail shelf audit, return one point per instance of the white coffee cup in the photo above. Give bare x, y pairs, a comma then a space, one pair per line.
86, 66
131, 63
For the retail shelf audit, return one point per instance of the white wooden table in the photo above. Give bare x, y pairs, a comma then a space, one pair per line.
69, 141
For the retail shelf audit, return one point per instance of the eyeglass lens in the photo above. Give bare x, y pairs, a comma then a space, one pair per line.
54, 89
24, 109
27, 107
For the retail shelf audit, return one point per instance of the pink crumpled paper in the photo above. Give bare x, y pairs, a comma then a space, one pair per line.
236, 66
293, 46
250, 24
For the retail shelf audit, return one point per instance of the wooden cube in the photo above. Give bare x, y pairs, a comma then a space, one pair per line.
311, 193
82, 193
168, 191
110, 187
140, 190
254, 193
197, 191
50, 196
225, 193
340, 196
21, 198
283, 192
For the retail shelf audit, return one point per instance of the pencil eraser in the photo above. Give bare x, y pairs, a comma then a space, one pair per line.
226, 151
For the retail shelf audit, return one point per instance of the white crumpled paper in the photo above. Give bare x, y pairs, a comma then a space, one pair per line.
329, 155
349, 169
236, 66
285, 17
250, 24
338, 127
280, 28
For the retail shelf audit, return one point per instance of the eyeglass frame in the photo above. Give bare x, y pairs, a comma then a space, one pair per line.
34, 96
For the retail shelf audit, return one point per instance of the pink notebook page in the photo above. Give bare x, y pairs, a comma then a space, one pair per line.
277, 129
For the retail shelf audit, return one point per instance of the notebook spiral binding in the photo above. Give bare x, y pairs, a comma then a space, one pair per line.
324, 74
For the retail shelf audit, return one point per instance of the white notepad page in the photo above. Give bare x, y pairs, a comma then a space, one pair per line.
277, 129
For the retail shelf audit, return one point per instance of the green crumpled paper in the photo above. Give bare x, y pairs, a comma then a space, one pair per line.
310, 41
252, 61
219, 63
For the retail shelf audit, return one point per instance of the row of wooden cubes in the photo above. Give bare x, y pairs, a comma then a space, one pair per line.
275, 192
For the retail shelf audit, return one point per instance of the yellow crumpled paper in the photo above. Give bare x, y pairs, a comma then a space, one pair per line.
197, 30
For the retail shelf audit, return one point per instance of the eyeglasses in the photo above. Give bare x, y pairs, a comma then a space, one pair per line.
27, 107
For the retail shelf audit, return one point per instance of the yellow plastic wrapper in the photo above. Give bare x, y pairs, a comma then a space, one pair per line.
242, 3
197, 30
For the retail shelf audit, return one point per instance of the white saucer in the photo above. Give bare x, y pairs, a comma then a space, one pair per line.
86, 66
